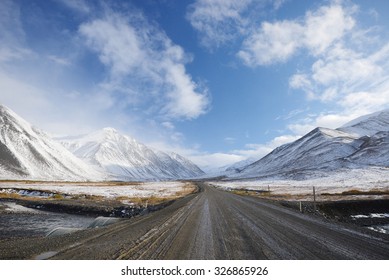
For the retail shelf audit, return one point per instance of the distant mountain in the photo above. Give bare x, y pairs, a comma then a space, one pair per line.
318, 148
361, 143
28, 153
123, 158
237, 166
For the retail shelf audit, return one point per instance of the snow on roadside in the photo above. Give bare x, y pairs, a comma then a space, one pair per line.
338, 182
159, 189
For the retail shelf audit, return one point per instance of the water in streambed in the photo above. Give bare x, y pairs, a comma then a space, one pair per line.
20, 221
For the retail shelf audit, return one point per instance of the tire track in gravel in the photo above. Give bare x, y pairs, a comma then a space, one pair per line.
215, 224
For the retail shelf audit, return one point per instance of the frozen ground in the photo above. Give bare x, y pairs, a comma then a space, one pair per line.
363, 180
106, 190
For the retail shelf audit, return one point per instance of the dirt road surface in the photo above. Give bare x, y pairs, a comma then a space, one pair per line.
212, 224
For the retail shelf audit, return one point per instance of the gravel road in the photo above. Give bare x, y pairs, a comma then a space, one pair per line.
212, 224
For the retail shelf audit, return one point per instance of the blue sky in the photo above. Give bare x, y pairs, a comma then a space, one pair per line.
216, 81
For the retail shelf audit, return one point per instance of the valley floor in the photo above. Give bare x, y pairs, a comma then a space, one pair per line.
211, 224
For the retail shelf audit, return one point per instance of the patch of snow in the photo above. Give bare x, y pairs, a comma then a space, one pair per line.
16, 208
372, 215
160, 189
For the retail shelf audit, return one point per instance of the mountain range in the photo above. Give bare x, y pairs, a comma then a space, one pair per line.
28, 153
122, 157
359, 144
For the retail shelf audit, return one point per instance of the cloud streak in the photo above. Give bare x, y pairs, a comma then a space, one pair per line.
144, 62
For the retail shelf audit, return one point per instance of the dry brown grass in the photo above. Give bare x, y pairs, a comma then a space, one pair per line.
10, 195
187, 189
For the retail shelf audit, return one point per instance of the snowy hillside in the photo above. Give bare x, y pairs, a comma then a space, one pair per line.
28, 153
374, 151
319, 148
360, 144
368, 125
123, 158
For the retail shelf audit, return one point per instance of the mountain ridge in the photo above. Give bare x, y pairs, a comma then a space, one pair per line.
123, 157
361, 143
27, 152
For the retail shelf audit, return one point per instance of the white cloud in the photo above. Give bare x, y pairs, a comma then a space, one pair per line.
367, 102
278, 41
327, 120
77, 5
344, 66
273, 43
327, 25
59, 60
334, 120
218, 21
144, 62
351, 80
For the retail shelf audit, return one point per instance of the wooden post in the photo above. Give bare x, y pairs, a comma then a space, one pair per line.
301, 207
314, 199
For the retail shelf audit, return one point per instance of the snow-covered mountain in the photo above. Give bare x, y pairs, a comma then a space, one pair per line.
368, 125
123, 158
28, 153
319, 148
361, 143
374, 151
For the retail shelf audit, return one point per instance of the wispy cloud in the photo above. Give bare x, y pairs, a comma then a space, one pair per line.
146, 64
80, 6
219, 22
12, 35
59, 60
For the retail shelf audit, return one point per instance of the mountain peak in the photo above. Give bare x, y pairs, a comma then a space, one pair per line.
124, 158
109, 130
368, 125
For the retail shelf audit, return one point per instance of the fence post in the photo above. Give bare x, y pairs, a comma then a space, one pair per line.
314, 199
